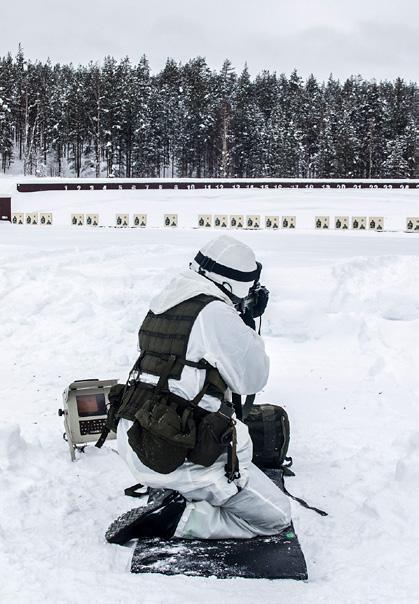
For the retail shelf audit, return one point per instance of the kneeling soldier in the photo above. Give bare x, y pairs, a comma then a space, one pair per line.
177, 429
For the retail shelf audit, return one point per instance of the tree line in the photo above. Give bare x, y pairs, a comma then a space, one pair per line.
118, 119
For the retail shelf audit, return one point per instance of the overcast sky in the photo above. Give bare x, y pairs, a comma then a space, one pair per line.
376, 38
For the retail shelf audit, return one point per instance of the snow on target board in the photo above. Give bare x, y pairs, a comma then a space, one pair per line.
276, 557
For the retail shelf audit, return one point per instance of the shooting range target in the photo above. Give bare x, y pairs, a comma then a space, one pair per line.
253, 222
236, 221
92, 219
359, 223
271, 222
342, 223
45, 218
376, 223
321, 222
220, 221
77, 219
170, 220
205, 221
140, 220
288, 222
32, 218
412, 224
122, 220
18, 218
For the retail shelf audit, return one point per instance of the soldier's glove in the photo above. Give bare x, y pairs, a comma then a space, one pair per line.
258, 301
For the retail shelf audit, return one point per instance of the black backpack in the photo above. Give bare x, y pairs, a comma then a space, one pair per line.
269, 429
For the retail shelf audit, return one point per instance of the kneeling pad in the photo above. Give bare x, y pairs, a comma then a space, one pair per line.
276, 557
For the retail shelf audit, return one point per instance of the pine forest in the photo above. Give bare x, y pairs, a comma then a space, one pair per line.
119, 119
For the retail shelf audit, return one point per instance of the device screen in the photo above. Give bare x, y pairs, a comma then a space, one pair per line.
91, 404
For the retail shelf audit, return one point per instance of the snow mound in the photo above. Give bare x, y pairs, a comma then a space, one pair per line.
12, 445
386, 286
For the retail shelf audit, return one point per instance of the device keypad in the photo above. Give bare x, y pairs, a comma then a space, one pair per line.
91, 426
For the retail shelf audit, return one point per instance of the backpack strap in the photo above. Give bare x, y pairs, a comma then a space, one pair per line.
299, 500
248, 404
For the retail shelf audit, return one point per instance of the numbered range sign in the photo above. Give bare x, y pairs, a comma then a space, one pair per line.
45, 218
18, 218
321, 222
140, 220
77, 219
272, 222
205, 221
412, 224
253, 222
237, 221
359, 223
220, 221
342, 223
288, 222
376, 223
92, 219
32, 218
122, 220
170, 220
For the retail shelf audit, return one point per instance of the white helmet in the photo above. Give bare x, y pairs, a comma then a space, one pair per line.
229, 263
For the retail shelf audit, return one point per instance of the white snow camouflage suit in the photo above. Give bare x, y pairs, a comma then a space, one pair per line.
216, 509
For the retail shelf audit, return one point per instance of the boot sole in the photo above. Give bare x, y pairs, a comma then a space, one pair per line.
124, 528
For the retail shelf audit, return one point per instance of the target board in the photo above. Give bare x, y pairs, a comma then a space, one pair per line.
236, 221
253, 221
77, 219
205, 221
321, 222
140, 220
45, 218
220, 221
359, 223
170, 220
412, 224
376, 223
288, 222
92, 220
18, 218
272, 222
122, 220
31, 218
342, 223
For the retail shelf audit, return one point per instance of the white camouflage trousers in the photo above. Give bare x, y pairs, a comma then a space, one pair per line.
217, 509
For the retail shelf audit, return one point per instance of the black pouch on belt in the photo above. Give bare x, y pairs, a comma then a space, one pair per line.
162, 435
215, 433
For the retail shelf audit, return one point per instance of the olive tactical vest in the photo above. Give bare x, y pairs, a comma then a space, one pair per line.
168, 334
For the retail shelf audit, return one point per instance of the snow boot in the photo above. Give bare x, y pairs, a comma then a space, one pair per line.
157, 519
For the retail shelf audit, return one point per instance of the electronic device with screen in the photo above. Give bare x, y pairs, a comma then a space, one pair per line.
84, 411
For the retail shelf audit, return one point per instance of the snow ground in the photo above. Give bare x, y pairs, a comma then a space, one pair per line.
342, 331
